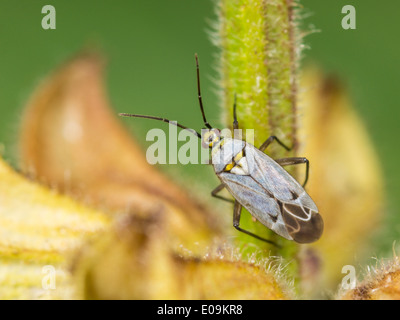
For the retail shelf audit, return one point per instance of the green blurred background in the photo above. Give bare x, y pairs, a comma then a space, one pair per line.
150, 46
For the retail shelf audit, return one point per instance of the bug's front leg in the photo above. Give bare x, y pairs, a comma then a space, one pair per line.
215, 192
293, 161
270, 140
237, 210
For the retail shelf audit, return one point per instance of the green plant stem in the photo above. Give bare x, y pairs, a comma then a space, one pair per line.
258, 64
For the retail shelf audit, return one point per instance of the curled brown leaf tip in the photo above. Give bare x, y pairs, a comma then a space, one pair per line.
345, 179
71, 138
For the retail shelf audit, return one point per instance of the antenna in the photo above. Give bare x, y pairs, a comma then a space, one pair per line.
161, 119
199, 93
235, 121
176, 123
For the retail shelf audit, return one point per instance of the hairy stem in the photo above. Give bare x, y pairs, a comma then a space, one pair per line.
258, 63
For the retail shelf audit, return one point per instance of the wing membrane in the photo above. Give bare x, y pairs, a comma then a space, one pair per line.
275, 198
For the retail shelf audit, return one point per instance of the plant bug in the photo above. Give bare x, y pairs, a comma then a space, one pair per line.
257, 182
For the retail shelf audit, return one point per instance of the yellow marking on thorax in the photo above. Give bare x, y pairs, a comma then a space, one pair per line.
229, 166
238, 157
235, 162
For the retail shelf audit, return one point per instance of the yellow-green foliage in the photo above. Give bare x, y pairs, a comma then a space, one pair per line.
38, 227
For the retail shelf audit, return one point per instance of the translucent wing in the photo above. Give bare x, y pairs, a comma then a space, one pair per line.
274, 197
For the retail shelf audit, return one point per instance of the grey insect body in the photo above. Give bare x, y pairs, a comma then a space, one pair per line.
266, 190
258, 183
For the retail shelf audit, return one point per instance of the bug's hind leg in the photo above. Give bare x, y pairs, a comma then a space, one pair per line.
293, 161
215, 192
270, 140
237, 210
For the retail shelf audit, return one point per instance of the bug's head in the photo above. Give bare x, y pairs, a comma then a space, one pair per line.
210, 137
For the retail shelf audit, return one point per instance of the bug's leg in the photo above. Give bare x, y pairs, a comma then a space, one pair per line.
215, 192
270, 140
293, 161
237, 209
